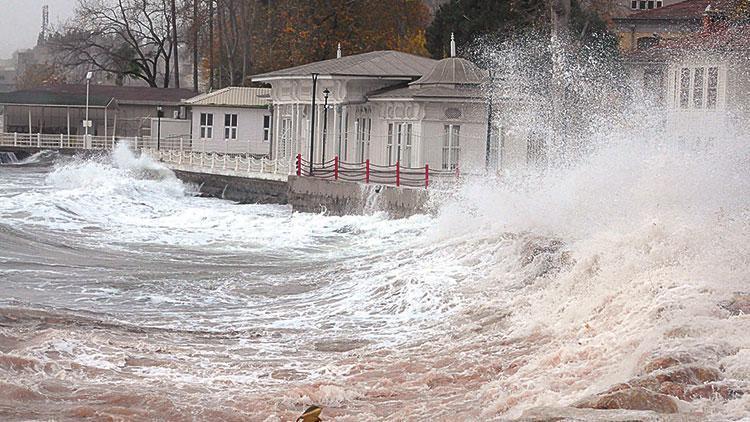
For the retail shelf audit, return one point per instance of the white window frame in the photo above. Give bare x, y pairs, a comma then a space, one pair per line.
230, 129
399, 143
285, 137
363, 129
692, 88
451, 147
207, 125
267, 128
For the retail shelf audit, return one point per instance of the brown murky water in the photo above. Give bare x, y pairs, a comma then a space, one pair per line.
122, 297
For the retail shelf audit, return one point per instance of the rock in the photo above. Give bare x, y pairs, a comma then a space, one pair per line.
739, 304
661, 363
571, 414
672, 389
634, 398
709, 391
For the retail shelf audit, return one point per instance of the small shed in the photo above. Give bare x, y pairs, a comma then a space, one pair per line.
233, 119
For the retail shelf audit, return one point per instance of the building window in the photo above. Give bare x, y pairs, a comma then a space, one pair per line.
266, 128
536, 150
696, 87
398, 145
646, 4
712, 87
285, 137
230, 126
645, 43
363, 127
684, 87
451, 147
207, 125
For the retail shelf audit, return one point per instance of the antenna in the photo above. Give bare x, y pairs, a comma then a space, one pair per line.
45, 23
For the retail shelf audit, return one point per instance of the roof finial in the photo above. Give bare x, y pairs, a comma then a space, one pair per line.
338, 51
453, 46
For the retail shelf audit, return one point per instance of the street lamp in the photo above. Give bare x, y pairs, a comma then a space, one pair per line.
312, 121
326, 92
87, 122
159, 115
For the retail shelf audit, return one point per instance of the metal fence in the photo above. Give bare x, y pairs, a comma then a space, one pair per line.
395, 175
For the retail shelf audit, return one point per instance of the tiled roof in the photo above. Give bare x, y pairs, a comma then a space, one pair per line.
100, 95
234, 96
684, 10
377, 64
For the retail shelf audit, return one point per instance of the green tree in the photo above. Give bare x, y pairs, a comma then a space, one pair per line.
496, 21
471, 19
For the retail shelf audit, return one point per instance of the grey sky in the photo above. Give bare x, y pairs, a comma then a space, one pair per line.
21, 20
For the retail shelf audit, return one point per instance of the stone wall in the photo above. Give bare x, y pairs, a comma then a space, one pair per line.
306, 194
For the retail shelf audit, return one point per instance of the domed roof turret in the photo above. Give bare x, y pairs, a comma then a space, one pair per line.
452, 71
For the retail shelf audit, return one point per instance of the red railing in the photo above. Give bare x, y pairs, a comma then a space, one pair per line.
397, 175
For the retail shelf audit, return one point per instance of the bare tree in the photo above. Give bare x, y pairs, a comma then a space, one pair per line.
129, 38
195, 45
173, 14
211, 43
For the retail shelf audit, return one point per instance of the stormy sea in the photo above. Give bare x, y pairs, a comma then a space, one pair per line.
125, 296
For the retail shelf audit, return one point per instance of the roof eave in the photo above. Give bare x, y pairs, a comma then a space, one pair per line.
334, 75
55, 105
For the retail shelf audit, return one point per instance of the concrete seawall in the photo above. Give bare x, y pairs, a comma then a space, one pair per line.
340, 198
240, 189
306, 194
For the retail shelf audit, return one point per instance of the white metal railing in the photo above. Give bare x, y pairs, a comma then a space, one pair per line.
63, 141
55, 141
226, 164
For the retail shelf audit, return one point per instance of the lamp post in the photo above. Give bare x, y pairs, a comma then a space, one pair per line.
87, 122
312, 122
159, 115
488, 147
326, 92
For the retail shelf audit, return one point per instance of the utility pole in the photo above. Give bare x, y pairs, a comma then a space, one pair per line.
174, 46
488, 147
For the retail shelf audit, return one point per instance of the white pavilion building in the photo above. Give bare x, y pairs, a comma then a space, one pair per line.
383, 106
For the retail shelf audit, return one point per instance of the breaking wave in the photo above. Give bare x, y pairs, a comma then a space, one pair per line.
540, 291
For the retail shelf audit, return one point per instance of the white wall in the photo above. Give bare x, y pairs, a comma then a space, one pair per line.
172, 130
249, 130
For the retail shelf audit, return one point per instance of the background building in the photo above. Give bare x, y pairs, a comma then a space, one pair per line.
114, 110
645, 28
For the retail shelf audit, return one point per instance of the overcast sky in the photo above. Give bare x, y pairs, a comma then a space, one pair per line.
21, 21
